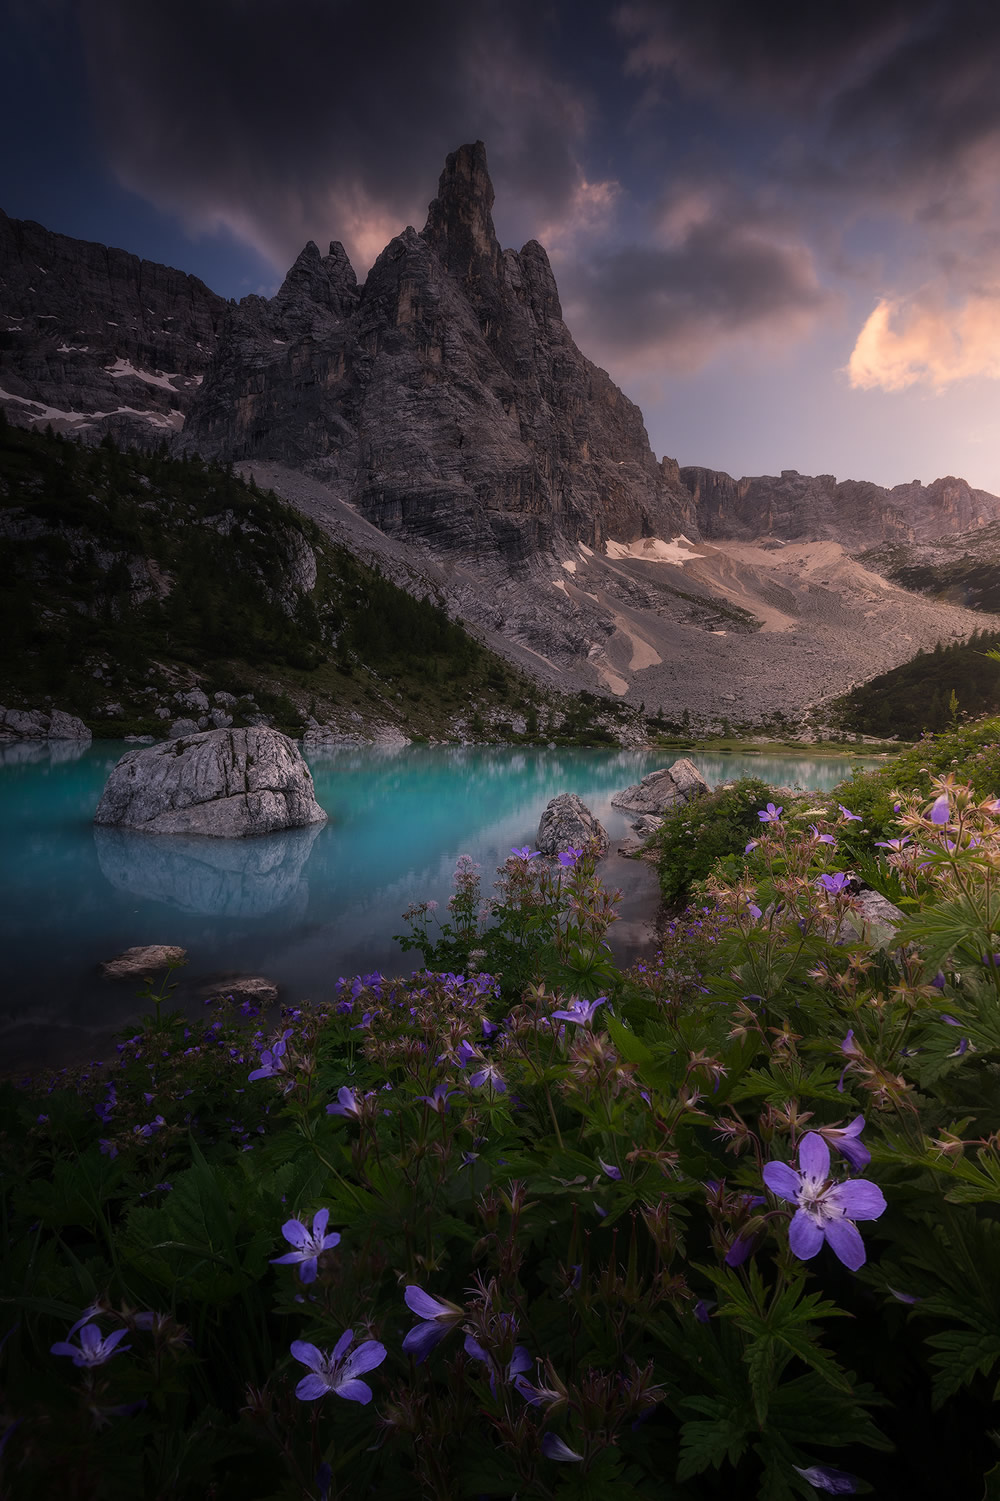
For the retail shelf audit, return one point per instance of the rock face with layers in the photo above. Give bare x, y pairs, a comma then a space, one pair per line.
224, 783
567, 824
797, 507
662, 790
445, 397
95, 340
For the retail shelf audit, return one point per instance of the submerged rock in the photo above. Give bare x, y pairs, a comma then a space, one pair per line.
224, 783
138, 963
568, 823
663, 789
256, 989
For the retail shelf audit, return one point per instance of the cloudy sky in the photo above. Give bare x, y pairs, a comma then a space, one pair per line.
776, 224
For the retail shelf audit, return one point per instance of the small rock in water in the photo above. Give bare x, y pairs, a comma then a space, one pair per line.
138, 963
255, 988
568, 823
663, 789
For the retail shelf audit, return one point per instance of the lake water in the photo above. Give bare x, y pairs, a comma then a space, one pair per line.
301, 908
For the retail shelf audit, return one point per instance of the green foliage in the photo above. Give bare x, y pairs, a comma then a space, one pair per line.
695, 835
927, 692
975, 747
138, 565
584, 1188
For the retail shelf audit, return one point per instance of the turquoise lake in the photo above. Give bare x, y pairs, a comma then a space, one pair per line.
301, 908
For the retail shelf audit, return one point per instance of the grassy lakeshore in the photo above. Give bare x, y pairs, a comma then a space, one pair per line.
526, 1224
757, 746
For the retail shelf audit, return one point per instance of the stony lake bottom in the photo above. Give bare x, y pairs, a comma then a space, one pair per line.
301, 908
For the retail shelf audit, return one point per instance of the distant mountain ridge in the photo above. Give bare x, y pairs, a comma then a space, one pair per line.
797, 507
95, 340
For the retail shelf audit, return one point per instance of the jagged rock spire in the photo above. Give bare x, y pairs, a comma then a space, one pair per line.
328, 281
460, 219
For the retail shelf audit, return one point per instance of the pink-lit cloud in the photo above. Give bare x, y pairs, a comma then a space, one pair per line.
926, 341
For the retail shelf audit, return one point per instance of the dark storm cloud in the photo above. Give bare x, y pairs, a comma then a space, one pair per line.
289, 119
886, 93
668, 304
778, 50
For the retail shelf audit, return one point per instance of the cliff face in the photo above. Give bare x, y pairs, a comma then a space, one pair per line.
445, 397
799, 507
95, 340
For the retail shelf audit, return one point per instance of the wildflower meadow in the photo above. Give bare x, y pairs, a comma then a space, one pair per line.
522, 1224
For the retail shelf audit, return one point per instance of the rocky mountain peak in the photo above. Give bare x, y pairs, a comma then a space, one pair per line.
327, 281
460, 219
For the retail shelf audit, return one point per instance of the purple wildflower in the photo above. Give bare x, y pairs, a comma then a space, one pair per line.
93, 1312
770, 814
836, 1482
908, 1298
437, 1319
836, 884
553, 1447
848, 815
92, 1350
488, 1074
940, 811
825, 1210
610, 1169
346, 1103
845, 1139
520, 1361
703, 1309
741, 1248
579, 1011
525, 853
332, 1373
273, 1062
821, 838
897, 846
568, 858
309, 1245
438, 1099
751, 846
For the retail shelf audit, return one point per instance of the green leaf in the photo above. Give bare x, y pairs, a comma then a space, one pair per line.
631, 1047
962, 1354
722, 1435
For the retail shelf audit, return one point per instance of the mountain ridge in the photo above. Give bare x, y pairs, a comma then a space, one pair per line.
444, 402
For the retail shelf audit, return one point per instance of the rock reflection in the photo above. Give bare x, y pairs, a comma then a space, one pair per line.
214, 877
42, 752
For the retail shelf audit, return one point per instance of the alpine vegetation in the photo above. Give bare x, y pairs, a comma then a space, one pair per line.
526, 1224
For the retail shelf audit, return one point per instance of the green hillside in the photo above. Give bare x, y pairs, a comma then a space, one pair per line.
127, 578
927, 693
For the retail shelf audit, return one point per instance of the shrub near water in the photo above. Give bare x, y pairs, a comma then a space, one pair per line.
728, 1227
695, 835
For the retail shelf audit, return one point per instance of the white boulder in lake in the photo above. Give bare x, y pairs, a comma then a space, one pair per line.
568, 823
662, 790
224, 783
